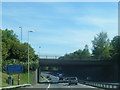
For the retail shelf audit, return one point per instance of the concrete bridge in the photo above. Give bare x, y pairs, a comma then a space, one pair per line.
101, 71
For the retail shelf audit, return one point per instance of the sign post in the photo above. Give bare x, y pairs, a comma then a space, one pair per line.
18, 79
14, 69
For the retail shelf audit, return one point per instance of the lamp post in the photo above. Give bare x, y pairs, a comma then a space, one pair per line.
38, 77
28, 57
21, 43
21, 33
39, 51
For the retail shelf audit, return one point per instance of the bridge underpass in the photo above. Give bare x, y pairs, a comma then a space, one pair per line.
99, 71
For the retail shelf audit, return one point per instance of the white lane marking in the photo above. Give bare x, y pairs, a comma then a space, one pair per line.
49, 83
87, 86
48, 86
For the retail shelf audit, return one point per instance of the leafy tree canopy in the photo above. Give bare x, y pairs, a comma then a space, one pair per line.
115, 43
13, 49
101, 46
78, 55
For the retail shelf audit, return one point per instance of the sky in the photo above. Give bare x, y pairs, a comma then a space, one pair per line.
60, 27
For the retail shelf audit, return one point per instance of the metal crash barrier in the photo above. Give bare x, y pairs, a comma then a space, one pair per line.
101, 84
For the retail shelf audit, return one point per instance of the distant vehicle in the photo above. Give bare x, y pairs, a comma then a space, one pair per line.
60, 76
55, 80
88, 78
65, 80
48, 77
72, 80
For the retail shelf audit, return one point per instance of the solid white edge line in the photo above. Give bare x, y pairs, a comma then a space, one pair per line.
87, 86
10, 87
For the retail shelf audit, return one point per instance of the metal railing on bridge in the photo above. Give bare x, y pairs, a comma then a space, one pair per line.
49, 56
102, 85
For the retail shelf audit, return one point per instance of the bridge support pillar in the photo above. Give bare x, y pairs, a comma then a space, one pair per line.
35, 77
38, 74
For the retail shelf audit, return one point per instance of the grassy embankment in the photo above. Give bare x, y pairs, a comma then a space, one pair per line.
23, 78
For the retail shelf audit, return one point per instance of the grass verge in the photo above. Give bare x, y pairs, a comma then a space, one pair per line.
42, 79
23, 78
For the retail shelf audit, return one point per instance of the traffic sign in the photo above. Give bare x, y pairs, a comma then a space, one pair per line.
14, 68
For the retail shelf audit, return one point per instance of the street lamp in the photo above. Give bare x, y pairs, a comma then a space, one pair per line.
28, 57
21, 33
39, 51
21, 43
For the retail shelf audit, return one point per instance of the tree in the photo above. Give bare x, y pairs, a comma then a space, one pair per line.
85, 53
115, 43
4, 51
101, 46
78, 55
14, 52
9, 34
8, 40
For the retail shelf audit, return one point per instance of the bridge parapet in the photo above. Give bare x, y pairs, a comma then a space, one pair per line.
57, 62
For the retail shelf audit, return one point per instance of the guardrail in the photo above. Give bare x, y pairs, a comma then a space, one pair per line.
102, 84
49, 57
17, 86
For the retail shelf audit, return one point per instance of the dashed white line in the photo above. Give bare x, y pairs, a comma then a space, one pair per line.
48, 85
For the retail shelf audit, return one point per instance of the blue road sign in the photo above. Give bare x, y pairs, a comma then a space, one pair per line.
14, 69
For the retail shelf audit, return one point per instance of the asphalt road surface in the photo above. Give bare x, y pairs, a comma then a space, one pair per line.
54, 84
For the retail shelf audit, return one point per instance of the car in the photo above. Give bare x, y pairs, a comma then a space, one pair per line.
72, 80
65, 79
48, 77
55, 80
60, 76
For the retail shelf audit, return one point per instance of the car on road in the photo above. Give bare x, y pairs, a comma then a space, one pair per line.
54, 79
48, 77
60, 76
72, 80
